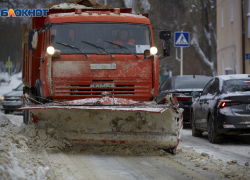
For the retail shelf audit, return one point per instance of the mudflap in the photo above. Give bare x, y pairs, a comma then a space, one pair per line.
113, 121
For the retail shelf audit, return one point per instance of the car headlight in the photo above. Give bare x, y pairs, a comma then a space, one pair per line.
51, 50
2, 98
153, 50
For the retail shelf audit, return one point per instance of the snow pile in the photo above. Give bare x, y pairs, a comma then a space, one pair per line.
16, 160
229, 169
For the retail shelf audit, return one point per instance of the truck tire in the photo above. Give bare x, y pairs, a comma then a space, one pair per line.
195, 133
26, 116
170, 150
6, 112
212, 135
39, 92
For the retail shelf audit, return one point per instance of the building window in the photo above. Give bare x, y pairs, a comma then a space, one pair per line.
222, 24
223, 68
232, 10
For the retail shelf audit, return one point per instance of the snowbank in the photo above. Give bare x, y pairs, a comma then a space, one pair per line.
229, 169
16, 159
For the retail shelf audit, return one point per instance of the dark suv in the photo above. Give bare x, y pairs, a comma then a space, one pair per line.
182, 87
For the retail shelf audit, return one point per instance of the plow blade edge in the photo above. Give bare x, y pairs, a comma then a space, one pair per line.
112, 121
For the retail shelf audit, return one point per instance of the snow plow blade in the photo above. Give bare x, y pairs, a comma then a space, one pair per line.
112, 121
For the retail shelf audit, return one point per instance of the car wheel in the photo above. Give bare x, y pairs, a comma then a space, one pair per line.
6, 112
26, 116
195, 133
212, 135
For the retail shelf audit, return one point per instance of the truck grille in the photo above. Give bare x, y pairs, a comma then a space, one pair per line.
85, 90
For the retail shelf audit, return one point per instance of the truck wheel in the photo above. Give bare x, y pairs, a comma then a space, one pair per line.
212, 135
26, 116
6, 112
170, 150
39, 93
195, 133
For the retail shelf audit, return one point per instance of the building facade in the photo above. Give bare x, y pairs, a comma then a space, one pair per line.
233, 36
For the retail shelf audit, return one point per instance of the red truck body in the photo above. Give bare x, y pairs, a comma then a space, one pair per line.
69, 77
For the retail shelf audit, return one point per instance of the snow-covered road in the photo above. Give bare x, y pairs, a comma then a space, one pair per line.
196, 158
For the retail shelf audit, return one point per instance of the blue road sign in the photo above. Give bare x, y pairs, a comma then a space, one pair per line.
181, 39
247, 56
9, 64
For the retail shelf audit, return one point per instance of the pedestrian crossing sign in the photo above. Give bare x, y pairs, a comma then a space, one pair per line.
181, 39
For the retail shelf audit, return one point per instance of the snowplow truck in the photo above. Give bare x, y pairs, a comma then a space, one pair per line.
92, 73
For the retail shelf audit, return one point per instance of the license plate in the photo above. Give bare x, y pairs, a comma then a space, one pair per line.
105, 85
103, 66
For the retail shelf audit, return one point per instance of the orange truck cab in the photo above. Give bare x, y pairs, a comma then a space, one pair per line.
80, 53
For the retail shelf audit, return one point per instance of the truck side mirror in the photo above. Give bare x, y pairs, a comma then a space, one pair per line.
33, 39
165, 35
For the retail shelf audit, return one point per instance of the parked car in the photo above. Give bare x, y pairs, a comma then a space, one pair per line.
182, 87
223, 108
12, 100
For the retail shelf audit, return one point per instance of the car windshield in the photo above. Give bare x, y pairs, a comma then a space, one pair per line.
234, 85
20, 87
190, 82
135, 37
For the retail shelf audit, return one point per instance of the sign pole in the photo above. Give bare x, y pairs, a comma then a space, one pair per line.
181, 61
9, 68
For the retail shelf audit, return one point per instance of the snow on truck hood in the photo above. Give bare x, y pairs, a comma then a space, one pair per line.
86, 17
69, 6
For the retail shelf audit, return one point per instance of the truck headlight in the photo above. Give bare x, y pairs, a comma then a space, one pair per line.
153, 50
2, 98
51, 50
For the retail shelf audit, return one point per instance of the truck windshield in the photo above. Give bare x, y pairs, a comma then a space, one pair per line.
135, 37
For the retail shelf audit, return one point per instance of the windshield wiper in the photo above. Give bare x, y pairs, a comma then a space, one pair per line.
73, 47
98, 47
122, 47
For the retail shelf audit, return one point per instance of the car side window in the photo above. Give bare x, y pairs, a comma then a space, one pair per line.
166, 85
214, 87
205, 91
